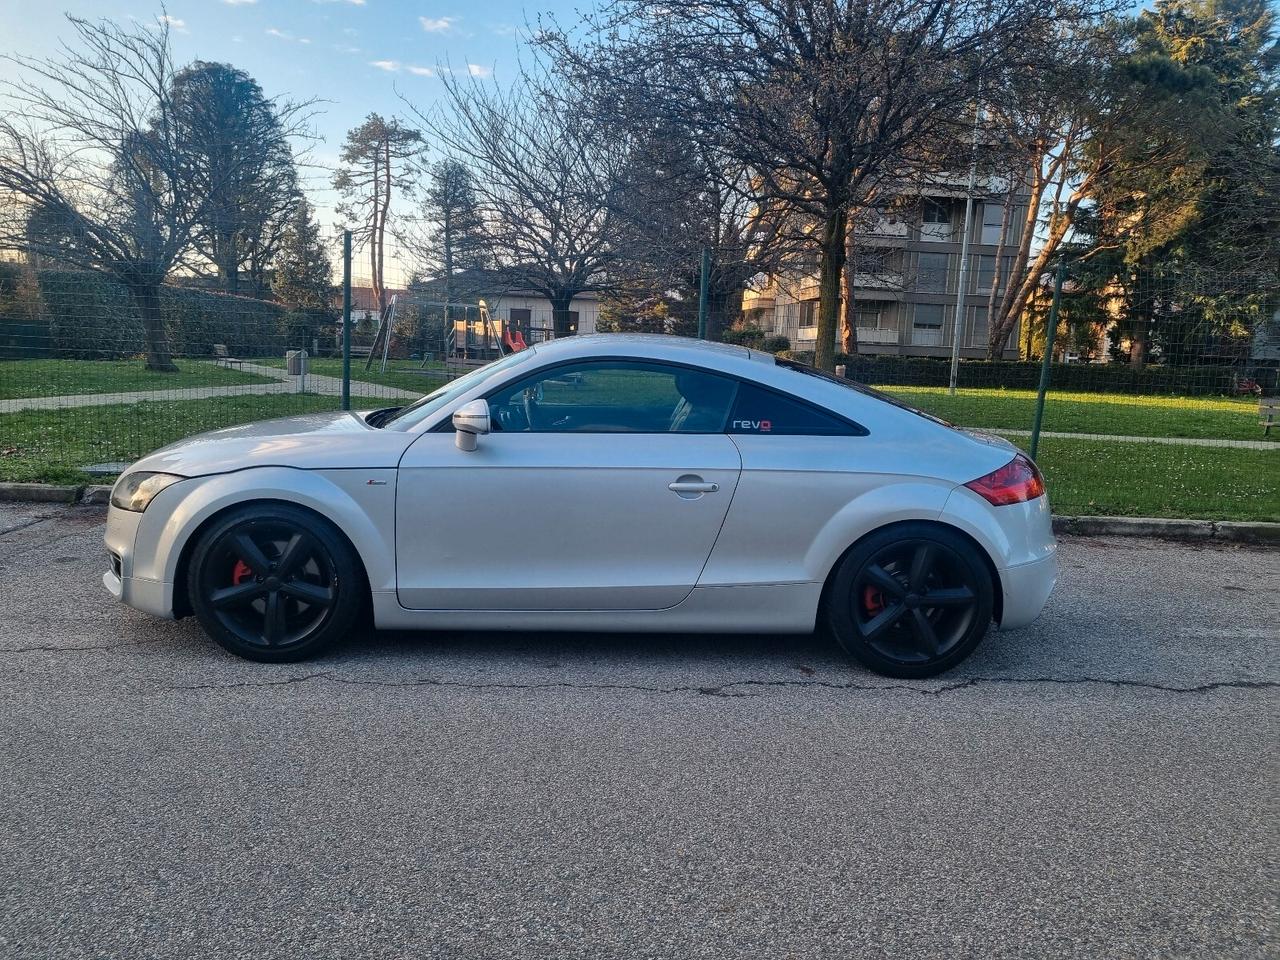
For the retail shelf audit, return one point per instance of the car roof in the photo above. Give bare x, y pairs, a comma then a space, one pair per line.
653, 346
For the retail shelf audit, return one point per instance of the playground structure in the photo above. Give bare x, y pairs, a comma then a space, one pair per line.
465, 334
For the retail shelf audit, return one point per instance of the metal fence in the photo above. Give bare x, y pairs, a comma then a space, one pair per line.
90, 381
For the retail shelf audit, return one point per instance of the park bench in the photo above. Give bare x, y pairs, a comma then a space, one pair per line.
1268, 413
223, 359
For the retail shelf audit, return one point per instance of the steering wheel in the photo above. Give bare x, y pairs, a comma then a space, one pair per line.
530, 409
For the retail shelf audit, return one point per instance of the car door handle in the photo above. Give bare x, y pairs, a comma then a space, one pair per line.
692, 486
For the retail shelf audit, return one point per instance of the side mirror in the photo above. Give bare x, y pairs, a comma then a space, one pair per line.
470, 420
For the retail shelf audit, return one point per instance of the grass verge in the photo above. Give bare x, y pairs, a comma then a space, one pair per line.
58, 378
1134, 479
404, 374
1125, 415
53, 445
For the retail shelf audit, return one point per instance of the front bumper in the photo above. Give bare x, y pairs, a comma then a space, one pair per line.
142, 593
1026, 588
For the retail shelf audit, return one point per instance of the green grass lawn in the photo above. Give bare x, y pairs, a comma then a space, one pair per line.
52, 445
56, 378
404, 374
1132, 415
1110, 478
1085, 477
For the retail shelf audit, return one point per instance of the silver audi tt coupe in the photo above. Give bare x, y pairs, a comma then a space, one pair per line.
613, 483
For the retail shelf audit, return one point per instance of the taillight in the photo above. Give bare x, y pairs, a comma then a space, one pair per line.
1016, 482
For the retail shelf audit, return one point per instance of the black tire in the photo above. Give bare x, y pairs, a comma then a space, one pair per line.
878, 601
306, 599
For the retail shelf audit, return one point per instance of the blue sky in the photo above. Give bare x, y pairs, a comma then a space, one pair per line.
355, 54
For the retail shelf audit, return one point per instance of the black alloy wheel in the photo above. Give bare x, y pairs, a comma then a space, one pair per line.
911, 601
274, 583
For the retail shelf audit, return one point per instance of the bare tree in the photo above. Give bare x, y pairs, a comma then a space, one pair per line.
825, 102
92, 168
379, 158
544, 181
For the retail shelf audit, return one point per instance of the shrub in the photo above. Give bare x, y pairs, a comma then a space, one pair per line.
775, 344
91, 317
744, 336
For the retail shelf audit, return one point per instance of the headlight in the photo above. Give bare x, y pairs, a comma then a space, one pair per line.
134, 491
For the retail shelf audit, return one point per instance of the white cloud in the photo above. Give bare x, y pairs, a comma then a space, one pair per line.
173, 23
285, 35
505, 30
354, 3
478, 71
391, 66
421, 71
239, 3
437, 24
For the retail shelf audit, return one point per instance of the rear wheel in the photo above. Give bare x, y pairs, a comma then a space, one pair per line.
274, 583
913, 600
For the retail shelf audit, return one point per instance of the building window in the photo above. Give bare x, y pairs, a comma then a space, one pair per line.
977, 326
926, 324
992, 214
521, 318
935, 220
809, 313
931, 272
868, 316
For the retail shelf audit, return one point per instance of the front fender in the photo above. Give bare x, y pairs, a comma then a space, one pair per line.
360, 503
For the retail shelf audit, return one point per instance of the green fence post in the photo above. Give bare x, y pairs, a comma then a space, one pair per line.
1051, 327
346, 319
703, 282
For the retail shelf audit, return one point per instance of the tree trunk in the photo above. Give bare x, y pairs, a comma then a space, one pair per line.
831, 267
560, 304
1138, 350
146, 297
995, 346
848, 311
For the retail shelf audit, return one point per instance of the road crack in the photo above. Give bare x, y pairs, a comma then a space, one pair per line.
736, 688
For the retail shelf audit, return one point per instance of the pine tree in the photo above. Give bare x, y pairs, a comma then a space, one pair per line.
303, 277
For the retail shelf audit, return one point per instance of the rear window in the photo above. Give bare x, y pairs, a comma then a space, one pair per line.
759, 410
860, 388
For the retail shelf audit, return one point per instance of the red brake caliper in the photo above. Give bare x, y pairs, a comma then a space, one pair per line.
241, 572
872, 600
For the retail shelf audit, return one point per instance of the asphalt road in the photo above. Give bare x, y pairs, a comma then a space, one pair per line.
1103, 784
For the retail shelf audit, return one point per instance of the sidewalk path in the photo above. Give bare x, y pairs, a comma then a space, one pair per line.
326, 386
1178, 441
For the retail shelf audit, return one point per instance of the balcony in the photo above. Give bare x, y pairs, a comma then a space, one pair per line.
877, 335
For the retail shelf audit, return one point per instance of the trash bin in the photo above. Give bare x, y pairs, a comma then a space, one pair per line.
295, 362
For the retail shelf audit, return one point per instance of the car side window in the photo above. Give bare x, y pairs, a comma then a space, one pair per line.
614, 396
762, 411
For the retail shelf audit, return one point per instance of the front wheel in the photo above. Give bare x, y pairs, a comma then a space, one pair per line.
910, 601
274, 583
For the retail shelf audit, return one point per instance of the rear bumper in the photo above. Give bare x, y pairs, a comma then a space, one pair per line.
1026, 590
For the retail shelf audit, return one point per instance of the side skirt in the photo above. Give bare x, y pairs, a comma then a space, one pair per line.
765, 608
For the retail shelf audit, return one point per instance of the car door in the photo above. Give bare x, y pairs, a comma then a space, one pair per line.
602, 486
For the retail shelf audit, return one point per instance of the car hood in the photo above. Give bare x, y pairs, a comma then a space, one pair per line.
315, 441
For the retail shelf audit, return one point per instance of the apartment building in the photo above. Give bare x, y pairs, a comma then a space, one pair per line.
906, 276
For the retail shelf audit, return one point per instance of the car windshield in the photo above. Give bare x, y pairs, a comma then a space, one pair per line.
406, 418
859, 387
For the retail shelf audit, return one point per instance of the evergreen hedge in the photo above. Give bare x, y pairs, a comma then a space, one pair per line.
87, 316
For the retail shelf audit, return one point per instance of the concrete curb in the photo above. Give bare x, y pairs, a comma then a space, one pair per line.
1231, 531
40, 492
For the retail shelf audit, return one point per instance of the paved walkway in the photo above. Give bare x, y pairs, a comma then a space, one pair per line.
1178, 441
327, 386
